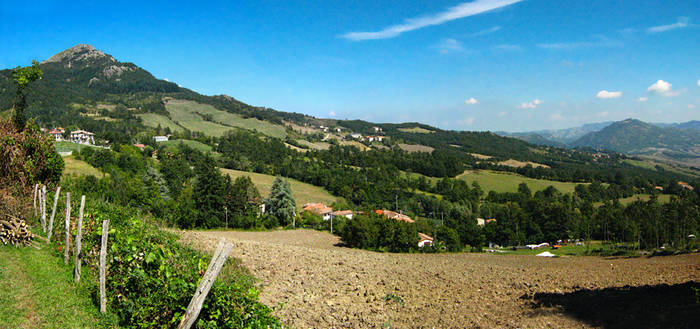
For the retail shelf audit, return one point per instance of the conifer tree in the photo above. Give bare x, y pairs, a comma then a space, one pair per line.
281, 203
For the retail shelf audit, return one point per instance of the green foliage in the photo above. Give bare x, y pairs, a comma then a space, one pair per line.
22, 76
152, 278
27, 157
281, 203
379, 233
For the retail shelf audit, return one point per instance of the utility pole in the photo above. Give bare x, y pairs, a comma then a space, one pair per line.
226, 212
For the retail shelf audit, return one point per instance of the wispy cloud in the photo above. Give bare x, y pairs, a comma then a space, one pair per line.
331, 113
600, 41
642, 99
681, 23
462, 10
529, 105
471, 101
485, 32
449, 46
507, 47
608, 94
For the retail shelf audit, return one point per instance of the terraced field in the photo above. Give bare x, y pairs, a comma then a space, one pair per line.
189, 114
153, 120
303, 193
191, 143
76, 167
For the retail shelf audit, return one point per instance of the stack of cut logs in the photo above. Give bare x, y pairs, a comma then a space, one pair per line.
14, 231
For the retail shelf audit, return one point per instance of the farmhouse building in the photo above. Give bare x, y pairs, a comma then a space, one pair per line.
319, 209
159, 139
82, 137
686, 186
56, 134
343, 213
424, 240
395, 215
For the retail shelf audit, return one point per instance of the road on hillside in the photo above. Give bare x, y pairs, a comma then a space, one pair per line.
321, 284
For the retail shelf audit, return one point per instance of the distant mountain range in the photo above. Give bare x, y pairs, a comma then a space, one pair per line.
677, 142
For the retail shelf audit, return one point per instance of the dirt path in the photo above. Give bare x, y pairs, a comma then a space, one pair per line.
322, 285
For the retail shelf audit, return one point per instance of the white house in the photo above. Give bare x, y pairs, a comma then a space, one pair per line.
82, 137
56, 134
160, 138
343, 213
356, 135
425, 240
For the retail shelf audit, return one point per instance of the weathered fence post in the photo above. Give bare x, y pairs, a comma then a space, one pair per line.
195, 306
36, 187
78, 238
67, 244
103, 266
53, 213
43, 208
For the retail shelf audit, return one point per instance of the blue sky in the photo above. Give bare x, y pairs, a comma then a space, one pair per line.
465, 65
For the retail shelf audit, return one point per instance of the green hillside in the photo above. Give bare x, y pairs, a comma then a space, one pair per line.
508, 182
303, 193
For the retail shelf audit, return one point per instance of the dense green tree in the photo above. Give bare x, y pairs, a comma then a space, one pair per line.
281, 203
22, 76
208, 194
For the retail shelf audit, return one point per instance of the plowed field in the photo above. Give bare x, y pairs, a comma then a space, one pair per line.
321, 284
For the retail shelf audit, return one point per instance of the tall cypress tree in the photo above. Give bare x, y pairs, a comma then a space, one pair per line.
209, 194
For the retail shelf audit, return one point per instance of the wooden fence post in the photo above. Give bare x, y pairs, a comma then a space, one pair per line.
103, 266
36, 187
53, 213
67, 244
43, 208
195, 306
78, 238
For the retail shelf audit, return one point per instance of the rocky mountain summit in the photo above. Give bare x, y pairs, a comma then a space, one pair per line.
78, 53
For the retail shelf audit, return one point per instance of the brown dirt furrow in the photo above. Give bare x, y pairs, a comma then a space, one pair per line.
323, 285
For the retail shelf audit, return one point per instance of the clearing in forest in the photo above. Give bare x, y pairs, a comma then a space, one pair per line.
303, 192
508, 182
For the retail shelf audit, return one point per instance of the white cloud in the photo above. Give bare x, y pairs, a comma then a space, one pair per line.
487, 31
681, 23
603, 114
332, 113
471, 101
449, 45
530, 105
664, 88
462, 10
608, 94
691, 106
166, 79
698, 82
642, 99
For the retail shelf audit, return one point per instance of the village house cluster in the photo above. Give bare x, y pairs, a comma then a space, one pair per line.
327, 213
76, 136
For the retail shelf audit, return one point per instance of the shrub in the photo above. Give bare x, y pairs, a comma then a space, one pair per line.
151, 277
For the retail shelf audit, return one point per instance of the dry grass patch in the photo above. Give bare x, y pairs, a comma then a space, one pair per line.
415, 148
519, 164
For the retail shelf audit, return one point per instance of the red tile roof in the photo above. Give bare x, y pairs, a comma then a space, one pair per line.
317, 208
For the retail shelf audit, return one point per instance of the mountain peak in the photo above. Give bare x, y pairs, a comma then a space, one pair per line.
78, 53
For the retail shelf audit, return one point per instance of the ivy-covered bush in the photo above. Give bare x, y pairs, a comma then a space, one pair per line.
151, 277
27, 157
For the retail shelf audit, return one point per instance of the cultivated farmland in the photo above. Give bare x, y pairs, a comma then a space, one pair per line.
324, 285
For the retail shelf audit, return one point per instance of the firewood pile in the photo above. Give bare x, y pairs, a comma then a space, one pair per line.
14, 231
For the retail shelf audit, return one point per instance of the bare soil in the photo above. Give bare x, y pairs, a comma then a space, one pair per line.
321, 284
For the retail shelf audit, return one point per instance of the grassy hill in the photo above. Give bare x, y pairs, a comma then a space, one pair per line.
663, 198
199, 146
303, 193
76, 167
508, 182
